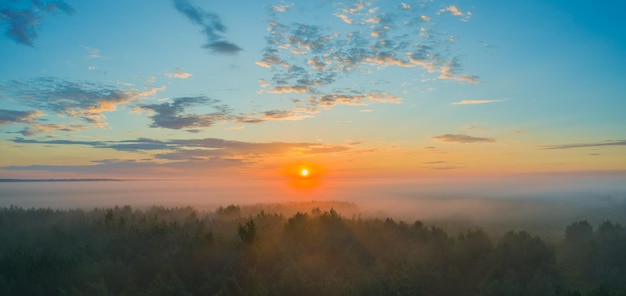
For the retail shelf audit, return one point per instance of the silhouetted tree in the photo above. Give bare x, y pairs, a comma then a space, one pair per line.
247, 232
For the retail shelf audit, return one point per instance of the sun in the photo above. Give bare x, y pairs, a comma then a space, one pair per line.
304, 172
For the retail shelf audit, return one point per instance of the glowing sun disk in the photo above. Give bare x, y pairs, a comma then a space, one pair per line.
304, 172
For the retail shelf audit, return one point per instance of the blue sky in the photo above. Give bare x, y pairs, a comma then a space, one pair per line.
186, 88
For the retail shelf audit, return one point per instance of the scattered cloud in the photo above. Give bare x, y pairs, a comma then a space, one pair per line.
405, 6
309, 58
179, 74
586, 145
32, 120
477, 102
174, 115
84, 101
23, 19
455, 11
211, 26
452, 9
461, 138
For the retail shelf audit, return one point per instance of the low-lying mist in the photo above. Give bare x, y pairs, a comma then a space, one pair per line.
543, 204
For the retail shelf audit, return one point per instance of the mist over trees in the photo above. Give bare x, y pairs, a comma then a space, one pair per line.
242, 251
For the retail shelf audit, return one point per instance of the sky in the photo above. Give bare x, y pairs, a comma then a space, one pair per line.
358, 90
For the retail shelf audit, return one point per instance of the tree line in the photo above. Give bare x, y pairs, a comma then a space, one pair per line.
179, 251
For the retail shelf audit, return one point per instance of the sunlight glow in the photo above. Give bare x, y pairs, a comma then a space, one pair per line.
304, 172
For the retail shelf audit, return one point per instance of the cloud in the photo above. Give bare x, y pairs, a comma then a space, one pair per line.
94, 53
283, 89
84, 101
211, 26
235, 127
23, 19
178, 114
452, 9
136, 168
281, 8
332, 100
435, 162
14, 116
140, 144
586, 145
174, 115
310, 58
405, 6
477, 102
30, 118
34, 128
179, 74
284, 115
452, 71
202, 149
461, 138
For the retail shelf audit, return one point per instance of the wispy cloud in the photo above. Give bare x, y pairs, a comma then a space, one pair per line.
84, 101
586, 145
23, 19
93, 53
462, 138
477, 102
34, 128
453, 70
281, 8
332, 100
202, 149
211, 26
179, 74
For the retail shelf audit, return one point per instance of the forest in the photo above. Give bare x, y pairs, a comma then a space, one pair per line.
246, 250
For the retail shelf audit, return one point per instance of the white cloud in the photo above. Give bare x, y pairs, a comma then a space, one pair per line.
452, 9
477, 102
179, 74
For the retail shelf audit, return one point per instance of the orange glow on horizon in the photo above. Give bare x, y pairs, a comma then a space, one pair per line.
304, 175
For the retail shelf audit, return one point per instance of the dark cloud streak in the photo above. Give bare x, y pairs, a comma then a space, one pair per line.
211, 25
463, 139
586, 145
173, 115
14, 116
195, 149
